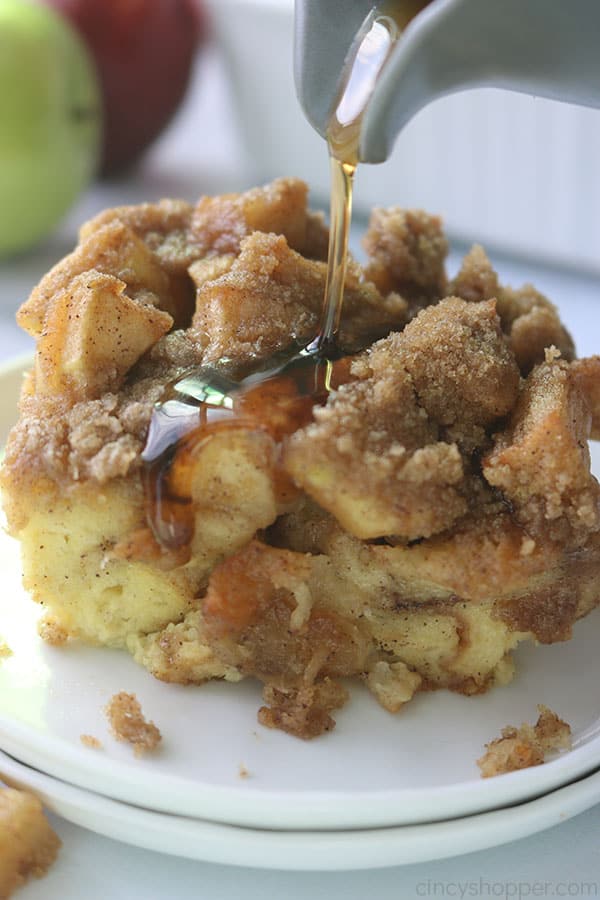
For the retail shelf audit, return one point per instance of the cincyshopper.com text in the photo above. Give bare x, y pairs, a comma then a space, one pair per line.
507, 890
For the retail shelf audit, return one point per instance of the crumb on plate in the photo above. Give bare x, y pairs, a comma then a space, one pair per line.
520, 748
128, 724
88, 740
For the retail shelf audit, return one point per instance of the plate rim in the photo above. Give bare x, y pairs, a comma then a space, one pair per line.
248, 807
303, 850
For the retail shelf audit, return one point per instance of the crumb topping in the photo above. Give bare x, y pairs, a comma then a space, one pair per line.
240, 276
303, 712
271, 295
529, 320
52, 631
407, 250
28, 845
128, 724
541, 462
409, 474
520, 748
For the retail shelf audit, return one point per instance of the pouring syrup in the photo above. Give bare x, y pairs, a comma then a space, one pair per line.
278, 396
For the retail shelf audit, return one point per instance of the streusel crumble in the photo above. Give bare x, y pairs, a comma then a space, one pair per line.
28, 845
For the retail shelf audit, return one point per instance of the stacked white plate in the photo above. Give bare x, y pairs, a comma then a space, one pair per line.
378, 790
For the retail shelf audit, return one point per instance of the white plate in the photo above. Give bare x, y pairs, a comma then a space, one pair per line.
373, 770
302, 850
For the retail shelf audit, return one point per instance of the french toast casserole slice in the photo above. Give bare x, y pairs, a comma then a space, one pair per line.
430, 512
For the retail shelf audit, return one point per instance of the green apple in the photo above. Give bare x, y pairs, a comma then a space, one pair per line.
50, 121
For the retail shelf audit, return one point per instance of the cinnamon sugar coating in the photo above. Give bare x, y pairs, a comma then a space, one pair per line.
164, 228
28, 845
407, 250
409, 474
541, 462
271, 294
127, 723
304, 712
379, 473
219, 224
430, 512
529, 320
113, 249
586, 375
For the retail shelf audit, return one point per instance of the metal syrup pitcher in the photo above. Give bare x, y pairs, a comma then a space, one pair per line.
550, 48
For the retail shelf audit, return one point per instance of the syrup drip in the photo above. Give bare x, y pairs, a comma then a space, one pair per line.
276, 400
278, 397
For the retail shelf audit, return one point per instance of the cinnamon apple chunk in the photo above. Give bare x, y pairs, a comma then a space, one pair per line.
93, 334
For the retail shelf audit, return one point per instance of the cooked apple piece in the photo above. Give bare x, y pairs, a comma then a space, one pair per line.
372, 458
541, 462
92, 336
114, 250
271, 295
162, 226
536, 330
210, 268
219, 224
217, 490
586, 375
232, 488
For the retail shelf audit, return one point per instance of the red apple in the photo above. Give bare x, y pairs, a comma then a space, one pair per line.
144, 50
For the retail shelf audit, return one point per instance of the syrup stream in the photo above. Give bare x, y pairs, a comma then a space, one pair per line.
278, 396
364, 63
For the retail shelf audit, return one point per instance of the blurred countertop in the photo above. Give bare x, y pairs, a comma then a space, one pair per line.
203, 152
